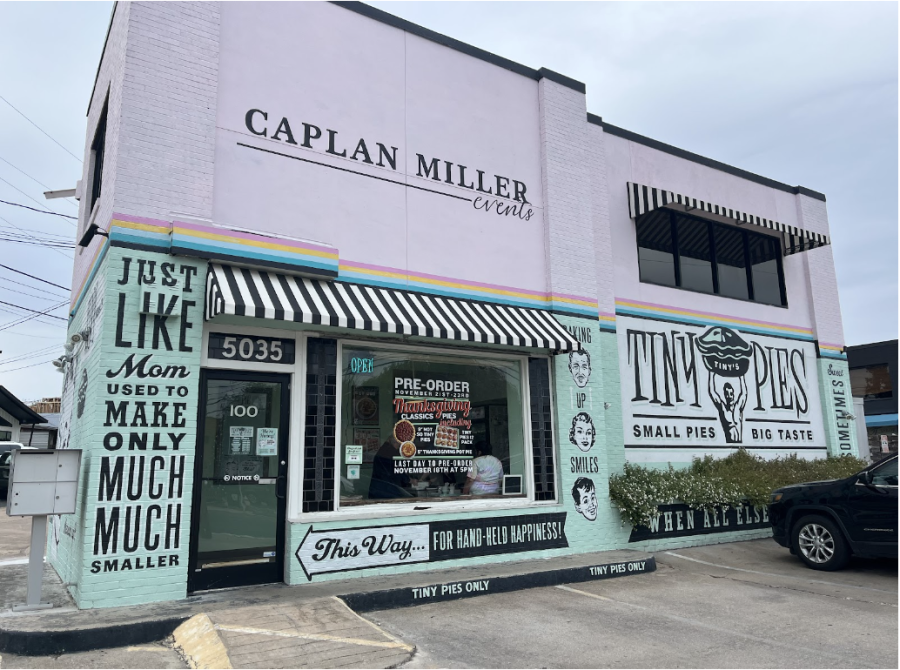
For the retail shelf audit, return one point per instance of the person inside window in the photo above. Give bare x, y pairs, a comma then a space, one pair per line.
486, 473
386, 483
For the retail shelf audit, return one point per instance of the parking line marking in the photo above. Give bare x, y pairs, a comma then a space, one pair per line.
717, 629
774, 574
314, 636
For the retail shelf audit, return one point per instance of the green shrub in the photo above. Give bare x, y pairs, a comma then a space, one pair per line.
709, 482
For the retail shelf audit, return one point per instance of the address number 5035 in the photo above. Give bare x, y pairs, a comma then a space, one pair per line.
247, 349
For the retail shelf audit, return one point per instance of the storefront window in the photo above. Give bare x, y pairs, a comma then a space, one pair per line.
695, 255
656, 249
417, 427
689, 253
731, 262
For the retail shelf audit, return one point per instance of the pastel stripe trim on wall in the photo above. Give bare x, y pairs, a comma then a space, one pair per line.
397, 278
99, 255
637, 308
217, 237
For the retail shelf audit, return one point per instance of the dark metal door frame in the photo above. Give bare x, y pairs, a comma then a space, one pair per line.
243, 575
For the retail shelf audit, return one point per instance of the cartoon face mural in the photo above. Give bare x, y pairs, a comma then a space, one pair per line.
585, 495
727, 358
582, 433
580, 367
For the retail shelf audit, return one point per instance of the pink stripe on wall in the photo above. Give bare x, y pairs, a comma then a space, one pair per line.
141, 219
256, 237
714, 315
425, 275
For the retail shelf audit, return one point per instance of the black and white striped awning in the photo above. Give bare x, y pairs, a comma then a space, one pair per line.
643, 199
269, 295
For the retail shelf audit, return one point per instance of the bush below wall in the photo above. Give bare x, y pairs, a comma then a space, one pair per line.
740, 478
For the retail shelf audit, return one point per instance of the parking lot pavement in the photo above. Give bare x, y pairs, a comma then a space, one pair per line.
155, 655
15, 534
748, 604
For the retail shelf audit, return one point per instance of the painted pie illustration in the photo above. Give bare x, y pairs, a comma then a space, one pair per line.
446, 437
724, 352
408, 449
404, 431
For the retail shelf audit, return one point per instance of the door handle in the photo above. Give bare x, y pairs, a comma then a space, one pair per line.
281, 487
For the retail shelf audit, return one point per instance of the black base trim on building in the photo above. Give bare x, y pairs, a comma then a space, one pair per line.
470, 588
54, 643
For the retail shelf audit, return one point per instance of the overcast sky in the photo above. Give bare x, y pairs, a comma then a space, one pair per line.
805, 93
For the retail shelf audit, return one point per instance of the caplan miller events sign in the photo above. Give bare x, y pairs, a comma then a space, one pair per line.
492, 193
695, 386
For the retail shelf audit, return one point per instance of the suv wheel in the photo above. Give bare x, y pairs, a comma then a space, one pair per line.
819, 543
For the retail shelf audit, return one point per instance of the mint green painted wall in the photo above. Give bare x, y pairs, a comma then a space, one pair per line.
75, 557
106, 437
80, 394
834, 390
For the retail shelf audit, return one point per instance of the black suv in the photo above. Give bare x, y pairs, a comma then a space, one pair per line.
825, 522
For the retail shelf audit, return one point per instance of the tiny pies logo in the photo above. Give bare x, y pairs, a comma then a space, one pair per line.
727, 358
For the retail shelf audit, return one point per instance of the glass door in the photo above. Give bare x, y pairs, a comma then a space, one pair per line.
237, 531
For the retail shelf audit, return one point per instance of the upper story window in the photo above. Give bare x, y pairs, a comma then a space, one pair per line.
98, 151
685, 252
871, 382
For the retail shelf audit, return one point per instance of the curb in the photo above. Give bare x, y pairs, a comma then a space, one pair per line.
199, 642
54, 643
457, 590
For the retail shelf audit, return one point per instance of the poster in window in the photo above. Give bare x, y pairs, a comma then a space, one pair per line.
365, 405
370, 439
267, 442
433, 425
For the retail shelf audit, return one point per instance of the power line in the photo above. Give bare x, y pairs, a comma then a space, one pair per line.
29, 366
42, 211
41, 129
33, 277
31, 354
50, 237
10, 324
28, 309
38, 243
61, 253
37, 319
39, 183
33, 288
18, 291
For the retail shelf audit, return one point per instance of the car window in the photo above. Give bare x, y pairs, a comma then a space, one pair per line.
885, 474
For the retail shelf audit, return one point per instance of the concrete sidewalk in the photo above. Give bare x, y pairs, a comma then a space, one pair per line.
276, 625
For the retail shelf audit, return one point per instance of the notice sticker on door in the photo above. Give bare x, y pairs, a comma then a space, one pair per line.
267, 442
353, 453
352, 472
241, 436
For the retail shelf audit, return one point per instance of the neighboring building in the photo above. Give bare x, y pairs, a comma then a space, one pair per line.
873, 377
46, 406
41, 435
328, 256
14, 413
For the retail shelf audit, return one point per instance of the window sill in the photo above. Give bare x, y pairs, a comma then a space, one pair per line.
394, 511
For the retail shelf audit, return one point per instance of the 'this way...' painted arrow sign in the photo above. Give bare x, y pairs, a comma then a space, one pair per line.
323, 551
342, 549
